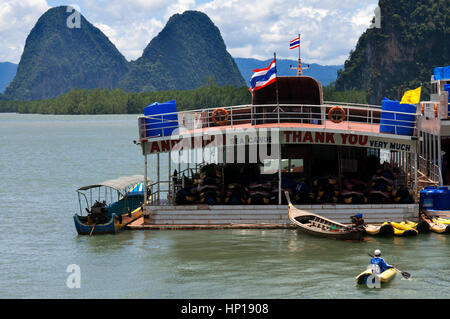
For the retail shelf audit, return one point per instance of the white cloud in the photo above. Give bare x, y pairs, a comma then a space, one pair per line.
130, 39
329, 28
17, 18
179, 7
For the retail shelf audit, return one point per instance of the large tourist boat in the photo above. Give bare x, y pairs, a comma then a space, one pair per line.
227, 166
434, 148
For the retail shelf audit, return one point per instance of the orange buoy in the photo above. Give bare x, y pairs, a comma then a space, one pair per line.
220, 112
336, 114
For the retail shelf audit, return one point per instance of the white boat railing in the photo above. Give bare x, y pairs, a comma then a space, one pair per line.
276, 115
434, 110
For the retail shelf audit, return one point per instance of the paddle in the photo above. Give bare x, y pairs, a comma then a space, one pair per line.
92, 230
405, 274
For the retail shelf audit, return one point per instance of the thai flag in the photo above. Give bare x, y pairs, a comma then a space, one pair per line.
263, 77
294, 43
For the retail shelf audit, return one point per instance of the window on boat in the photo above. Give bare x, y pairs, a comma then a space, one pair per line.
287, 166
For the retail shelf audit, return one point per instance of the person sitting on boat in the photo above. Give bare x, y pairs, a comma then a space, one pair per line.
358, 220
378, 263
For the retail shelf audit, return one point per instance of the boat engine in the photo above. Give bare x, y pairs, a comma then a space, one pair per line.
98, 213
357, 220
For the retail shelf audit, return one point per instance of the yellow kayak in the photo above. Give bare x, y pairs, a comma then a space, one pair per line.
383, 229
443, 221
421, 227
405, 232
403, 229
384, 277
438, 228
402, 225
435, 226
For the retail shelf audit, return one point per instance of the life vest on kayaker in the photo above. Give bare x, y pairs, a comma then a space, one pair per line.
379, 265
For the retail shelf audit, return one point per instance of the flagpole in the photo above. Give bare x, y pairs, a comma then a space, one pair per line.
279, 142
299, 69
276, 82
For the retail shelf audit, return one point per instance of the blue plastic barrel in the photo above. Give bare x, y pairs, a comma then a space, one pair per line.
161, 123
387, 122
427, 198
405, 123
441, 199
401, 124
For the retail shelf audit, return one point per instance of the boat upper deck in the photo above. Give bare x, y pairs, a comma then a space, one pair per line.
328, 117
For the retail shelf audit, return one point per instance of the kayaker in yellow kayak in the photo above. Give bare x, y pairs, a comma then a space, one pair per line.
378, 263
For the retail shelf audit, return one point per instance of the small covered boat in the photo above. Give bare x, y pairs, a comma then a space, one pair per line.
320, 226
110, 205
384, 277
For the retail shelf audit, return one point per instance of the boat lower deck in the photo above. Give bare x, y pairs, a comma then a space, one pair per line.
262, 216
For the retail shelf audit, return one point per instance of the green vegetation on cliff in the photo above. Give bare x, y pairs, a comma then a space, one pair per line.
116, 101
413, 39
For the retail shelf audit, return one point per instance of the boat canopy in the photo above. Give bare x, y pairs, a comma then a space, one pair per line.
118, 183
291, 90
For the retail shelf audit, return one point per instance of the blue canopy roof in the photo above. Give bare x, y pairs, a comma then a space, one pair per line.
442, 73
137, 190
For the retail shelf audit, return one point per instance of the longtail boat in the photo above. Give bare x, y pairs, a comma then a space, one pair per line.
320, 226
110, 205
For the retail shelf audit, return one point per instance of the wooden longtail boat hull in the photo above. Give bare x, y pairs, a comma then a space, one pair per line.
314, 224
111, 227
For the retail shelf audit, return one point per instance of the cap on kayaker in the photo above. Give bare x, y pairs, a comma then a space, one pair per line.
377, 253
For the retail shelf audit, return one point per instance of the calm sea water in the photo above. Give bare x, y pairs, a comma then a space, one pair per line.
44, 159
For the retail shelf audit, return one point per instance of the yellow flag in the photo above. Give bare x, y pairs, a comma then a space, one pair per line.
411, 96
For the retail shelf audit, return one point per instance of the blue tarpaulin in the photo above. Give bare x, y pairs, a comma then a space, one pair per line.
442, 73
163, 120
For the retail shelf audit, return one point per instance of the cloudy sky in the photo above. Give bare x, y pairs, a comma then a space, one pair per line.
252, 29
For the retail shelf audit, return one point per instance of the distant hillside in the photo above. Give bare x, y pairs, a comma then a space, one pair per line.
323, 73
7, 72
57, 58
413, 39
184, 55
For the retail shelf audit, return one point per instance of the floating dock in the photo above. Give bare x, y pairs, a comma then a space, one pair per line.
263, 216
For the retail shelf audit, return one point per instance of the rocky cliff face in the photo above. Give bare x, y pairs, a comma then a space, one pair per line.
58, 58
188, 53
413, 39
184, 55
